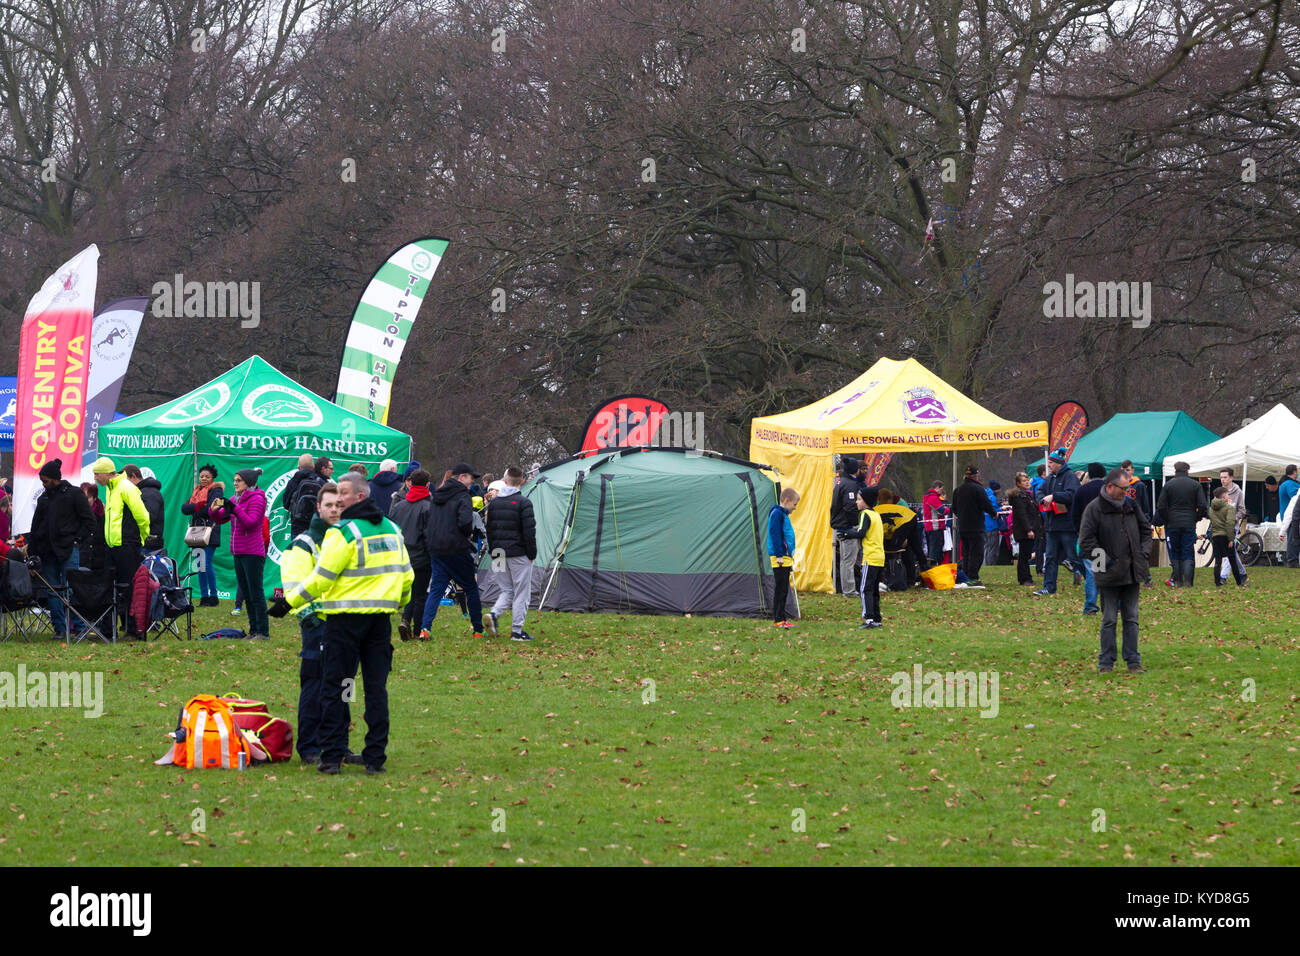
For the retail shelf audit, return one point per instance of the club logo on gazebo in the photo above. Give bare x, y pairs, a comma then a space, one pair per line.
281, 407
921, 406
826, 413
201, 404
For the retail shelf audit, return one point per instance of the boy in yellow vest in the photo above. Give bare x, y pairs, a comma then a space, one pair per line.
872, 532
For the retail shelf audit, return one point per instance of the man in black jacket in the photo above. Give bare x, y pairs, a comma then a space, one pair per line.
1057, 493
1085, 496
512, 543
970, 503
301, 493
411, 514
1112, 535
844, 518
447, 539
62, 523
1181, 504
150, 495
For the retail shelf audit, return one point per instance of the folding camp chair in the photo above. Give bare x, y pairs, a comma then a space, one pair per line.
21, 612
92, 604
171, 601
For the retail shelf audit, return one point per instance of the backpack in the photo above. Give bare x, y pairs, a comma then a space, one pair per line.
208, 737
273, 735
303, 507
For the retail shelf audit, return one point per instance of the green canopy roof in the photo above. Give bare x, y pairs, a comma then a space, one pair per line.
1145, 438
256, 409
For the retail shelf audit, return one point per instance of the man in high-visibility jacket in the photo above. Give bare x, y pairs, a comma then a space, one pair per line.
363, 575
126, 525
296, 565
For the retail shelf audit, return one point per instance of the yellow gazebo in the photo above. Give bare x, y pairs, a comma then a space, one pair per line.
893, 406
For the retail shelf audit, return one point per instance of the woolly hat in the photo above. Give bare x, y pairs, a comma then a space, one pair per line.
1060, 456
995, 486
870, 494
849, 466
411, 469
104, 466
1096, 469
249, 476
52, 469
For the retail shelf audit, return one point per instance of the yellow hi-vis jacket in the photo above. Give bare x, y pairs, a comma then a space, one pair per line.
363, 568
121, 494
297, 562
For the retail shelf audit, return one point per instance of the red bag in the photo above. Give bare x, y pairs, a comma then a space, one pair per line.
273, 734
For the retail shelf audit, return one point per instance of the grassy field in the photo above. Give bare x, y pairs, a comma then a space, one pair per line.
760, 746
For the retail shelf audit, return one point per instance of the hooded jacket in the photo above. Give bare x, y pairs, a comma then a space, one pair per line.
411, 514
363, 567
1223, 519
63, 520
1062, 486
780, 533
844, 503
451, 521
1114, 537
511, 527
151, 495
934, 510
382, 487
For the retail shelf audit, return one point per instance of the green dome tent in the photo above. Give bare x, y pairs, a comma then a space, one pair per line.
651, 531
253, 416
1145, 438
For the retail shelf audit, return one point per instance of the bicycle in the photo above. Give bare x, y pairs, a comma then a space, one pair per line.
1250, 547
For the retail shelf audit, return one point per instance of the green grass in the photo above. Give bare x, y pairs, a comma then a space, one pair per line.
749, 725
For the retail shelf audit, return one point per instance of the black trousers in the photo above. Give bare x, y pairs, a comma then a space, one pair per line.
781, 594
351, 639
125, 561
419, 594
1223, 548
1024, 571
972, 553
870, 591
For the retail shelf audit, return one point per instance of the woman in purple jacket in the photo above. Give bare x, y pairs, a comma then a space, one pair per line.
246, 513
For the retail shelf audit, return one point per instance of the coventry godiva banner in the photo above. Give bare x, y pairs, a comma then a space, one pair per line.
380, 326
53, 372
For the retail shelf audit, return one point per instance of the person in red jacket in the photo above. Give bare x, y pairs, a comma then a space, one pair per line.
934, 514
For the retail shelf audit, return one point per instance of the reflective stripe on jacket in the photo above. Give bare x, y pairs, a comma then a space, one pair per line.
363, 568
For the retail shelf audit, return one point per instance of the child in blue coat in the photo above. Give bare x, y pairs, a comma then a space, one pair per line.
780, 549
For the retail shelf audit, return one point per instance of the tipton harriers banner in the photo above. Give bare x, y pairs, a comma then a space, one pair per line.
53, 375
381, 325
112, 340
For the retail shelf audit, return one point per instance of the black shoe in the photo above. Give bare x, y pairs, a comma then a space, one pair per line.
328, 768
404, 631
354, 759
370, 769
1105, 669
520, 636
869, 625
1136, 669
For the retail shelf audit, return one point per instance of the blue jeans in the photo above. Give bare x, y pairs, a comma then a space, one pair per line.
934, 546
55, 572
1061, 547
459, 568
1089, 584
208, 576
1180, 542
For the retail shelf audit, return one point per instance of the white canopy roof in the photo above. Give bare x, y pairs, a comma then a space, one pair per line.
1265, 446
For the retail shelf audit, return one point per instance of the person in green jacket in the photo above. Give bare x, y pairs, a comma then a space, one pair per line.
1223, 532
126, 526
